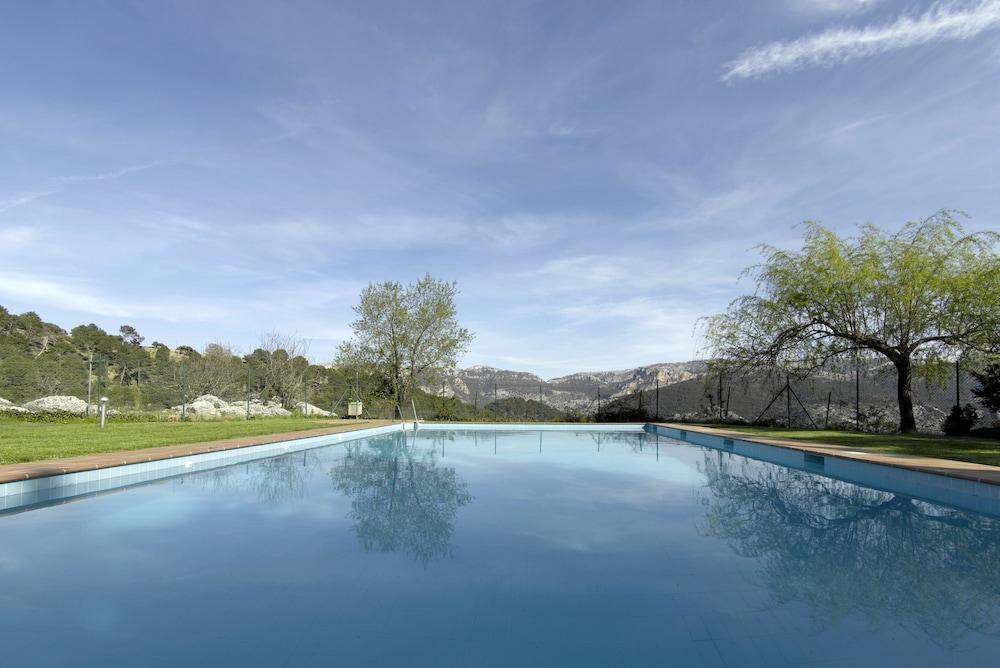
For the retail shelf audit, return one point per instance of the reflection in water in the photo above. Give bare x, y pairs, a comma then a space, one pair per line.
272, 480
845, 549
400, 498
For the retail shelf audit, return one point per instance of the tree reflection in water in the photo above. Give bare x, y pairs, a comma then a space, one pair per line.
273, 480
400, 498
845, 549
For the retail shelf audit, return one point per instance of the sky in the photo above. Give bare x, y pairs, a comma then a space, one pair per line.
594, 175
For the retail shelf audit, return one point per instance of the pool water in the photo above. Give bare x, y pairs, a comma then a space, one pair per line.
500, 548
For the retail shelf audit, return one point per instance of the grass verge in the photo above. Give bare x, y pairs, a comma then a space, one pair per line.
960, 448
22, 441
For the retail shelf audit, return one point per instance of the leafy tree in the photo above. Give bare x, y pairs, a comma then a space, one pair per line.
960, 420
406, 333
988, 390
217, 371
18, 375
130, 335
279, 368
913, 297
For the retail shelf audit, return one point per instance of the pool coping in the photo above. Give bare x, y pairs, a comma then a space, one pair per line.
951, 468
52, 467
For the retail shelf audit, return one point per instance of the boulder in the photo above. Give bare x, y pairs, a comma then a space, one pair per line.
57, 404
310, 409
8, 407
209, 405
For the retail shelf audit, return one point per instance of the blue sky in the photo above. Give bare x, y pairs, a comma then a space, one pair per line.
595, 175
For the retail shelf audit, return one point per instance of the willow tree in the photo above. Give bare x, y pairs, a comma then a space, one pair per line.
406, 333
915, 297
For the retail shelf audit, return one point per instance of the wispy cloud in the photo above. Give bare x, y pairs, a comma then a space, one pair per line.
60, 182
81, 296
832, 6
16, 239
942, 21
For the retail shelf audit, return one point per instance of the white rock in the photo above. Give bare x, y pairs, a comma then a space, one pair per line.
57, 404
310, 409
7, 407
209, 405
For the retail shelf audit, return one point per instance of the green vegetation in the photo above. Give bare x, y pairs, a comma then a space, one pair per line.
913, 299
25, 441
962, 448
404, 335
38, 359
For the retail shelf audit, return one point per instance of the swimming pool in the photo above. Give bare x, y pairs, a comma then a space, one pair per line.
478, 546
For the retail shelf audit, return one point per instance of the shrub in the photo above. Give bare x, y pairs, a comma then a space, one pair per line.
959, 422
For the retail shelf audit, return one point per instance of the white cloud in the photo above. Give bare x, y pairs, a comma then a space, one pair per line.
832, 6
60, 182
943, 21
80, 296
16, 239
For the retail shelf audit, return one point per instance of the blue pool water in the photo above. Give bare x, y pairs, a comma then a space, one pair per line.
501, 548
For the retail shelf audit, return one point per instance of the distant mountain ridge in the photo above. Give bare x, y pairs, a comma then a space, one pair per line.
687, 391
576, 391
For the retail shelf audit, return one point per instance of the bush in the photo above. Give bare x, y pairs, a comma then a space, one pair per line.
959, 422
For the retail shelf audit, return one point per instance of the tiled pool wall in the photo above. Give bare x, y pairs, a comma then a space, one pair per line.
25, 493
960, 493
633, 428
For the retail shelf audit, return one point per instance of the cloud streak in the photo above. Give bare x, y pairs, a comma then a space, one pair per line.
60, 182
943, 21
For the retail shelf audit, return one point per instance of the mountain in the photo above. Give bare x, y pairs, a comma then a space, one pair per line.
687, 392
575, 392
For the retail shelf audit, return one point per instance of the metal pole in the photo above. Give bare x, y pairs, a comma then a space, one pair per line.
857, 394
541, 413
496, 405
958, 395
248, 391
729, 393
183, 392
720, 397
305, 391
657, 399
826, 424
598, 402
788, 401
90, 379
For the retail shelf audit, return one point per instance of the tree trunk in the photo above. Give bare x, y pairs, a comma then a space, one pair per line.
904, 393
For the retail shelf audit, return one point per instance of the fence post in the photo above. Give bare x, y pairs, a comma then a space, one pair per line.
657, 399
541, 414
184, 396
826, 423
857, 394
720, 397
788, 401
958, 391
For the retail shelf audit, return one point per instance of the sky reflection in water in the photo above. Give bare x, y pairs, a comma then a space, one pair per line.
485, 548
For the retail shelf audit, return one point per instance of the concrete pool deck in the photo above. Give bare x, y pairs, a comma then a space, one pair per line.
945, 467
51, 467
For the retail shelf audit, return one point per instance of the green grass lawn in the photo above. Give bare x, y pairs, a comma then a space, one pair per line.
962, 448
29, 441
